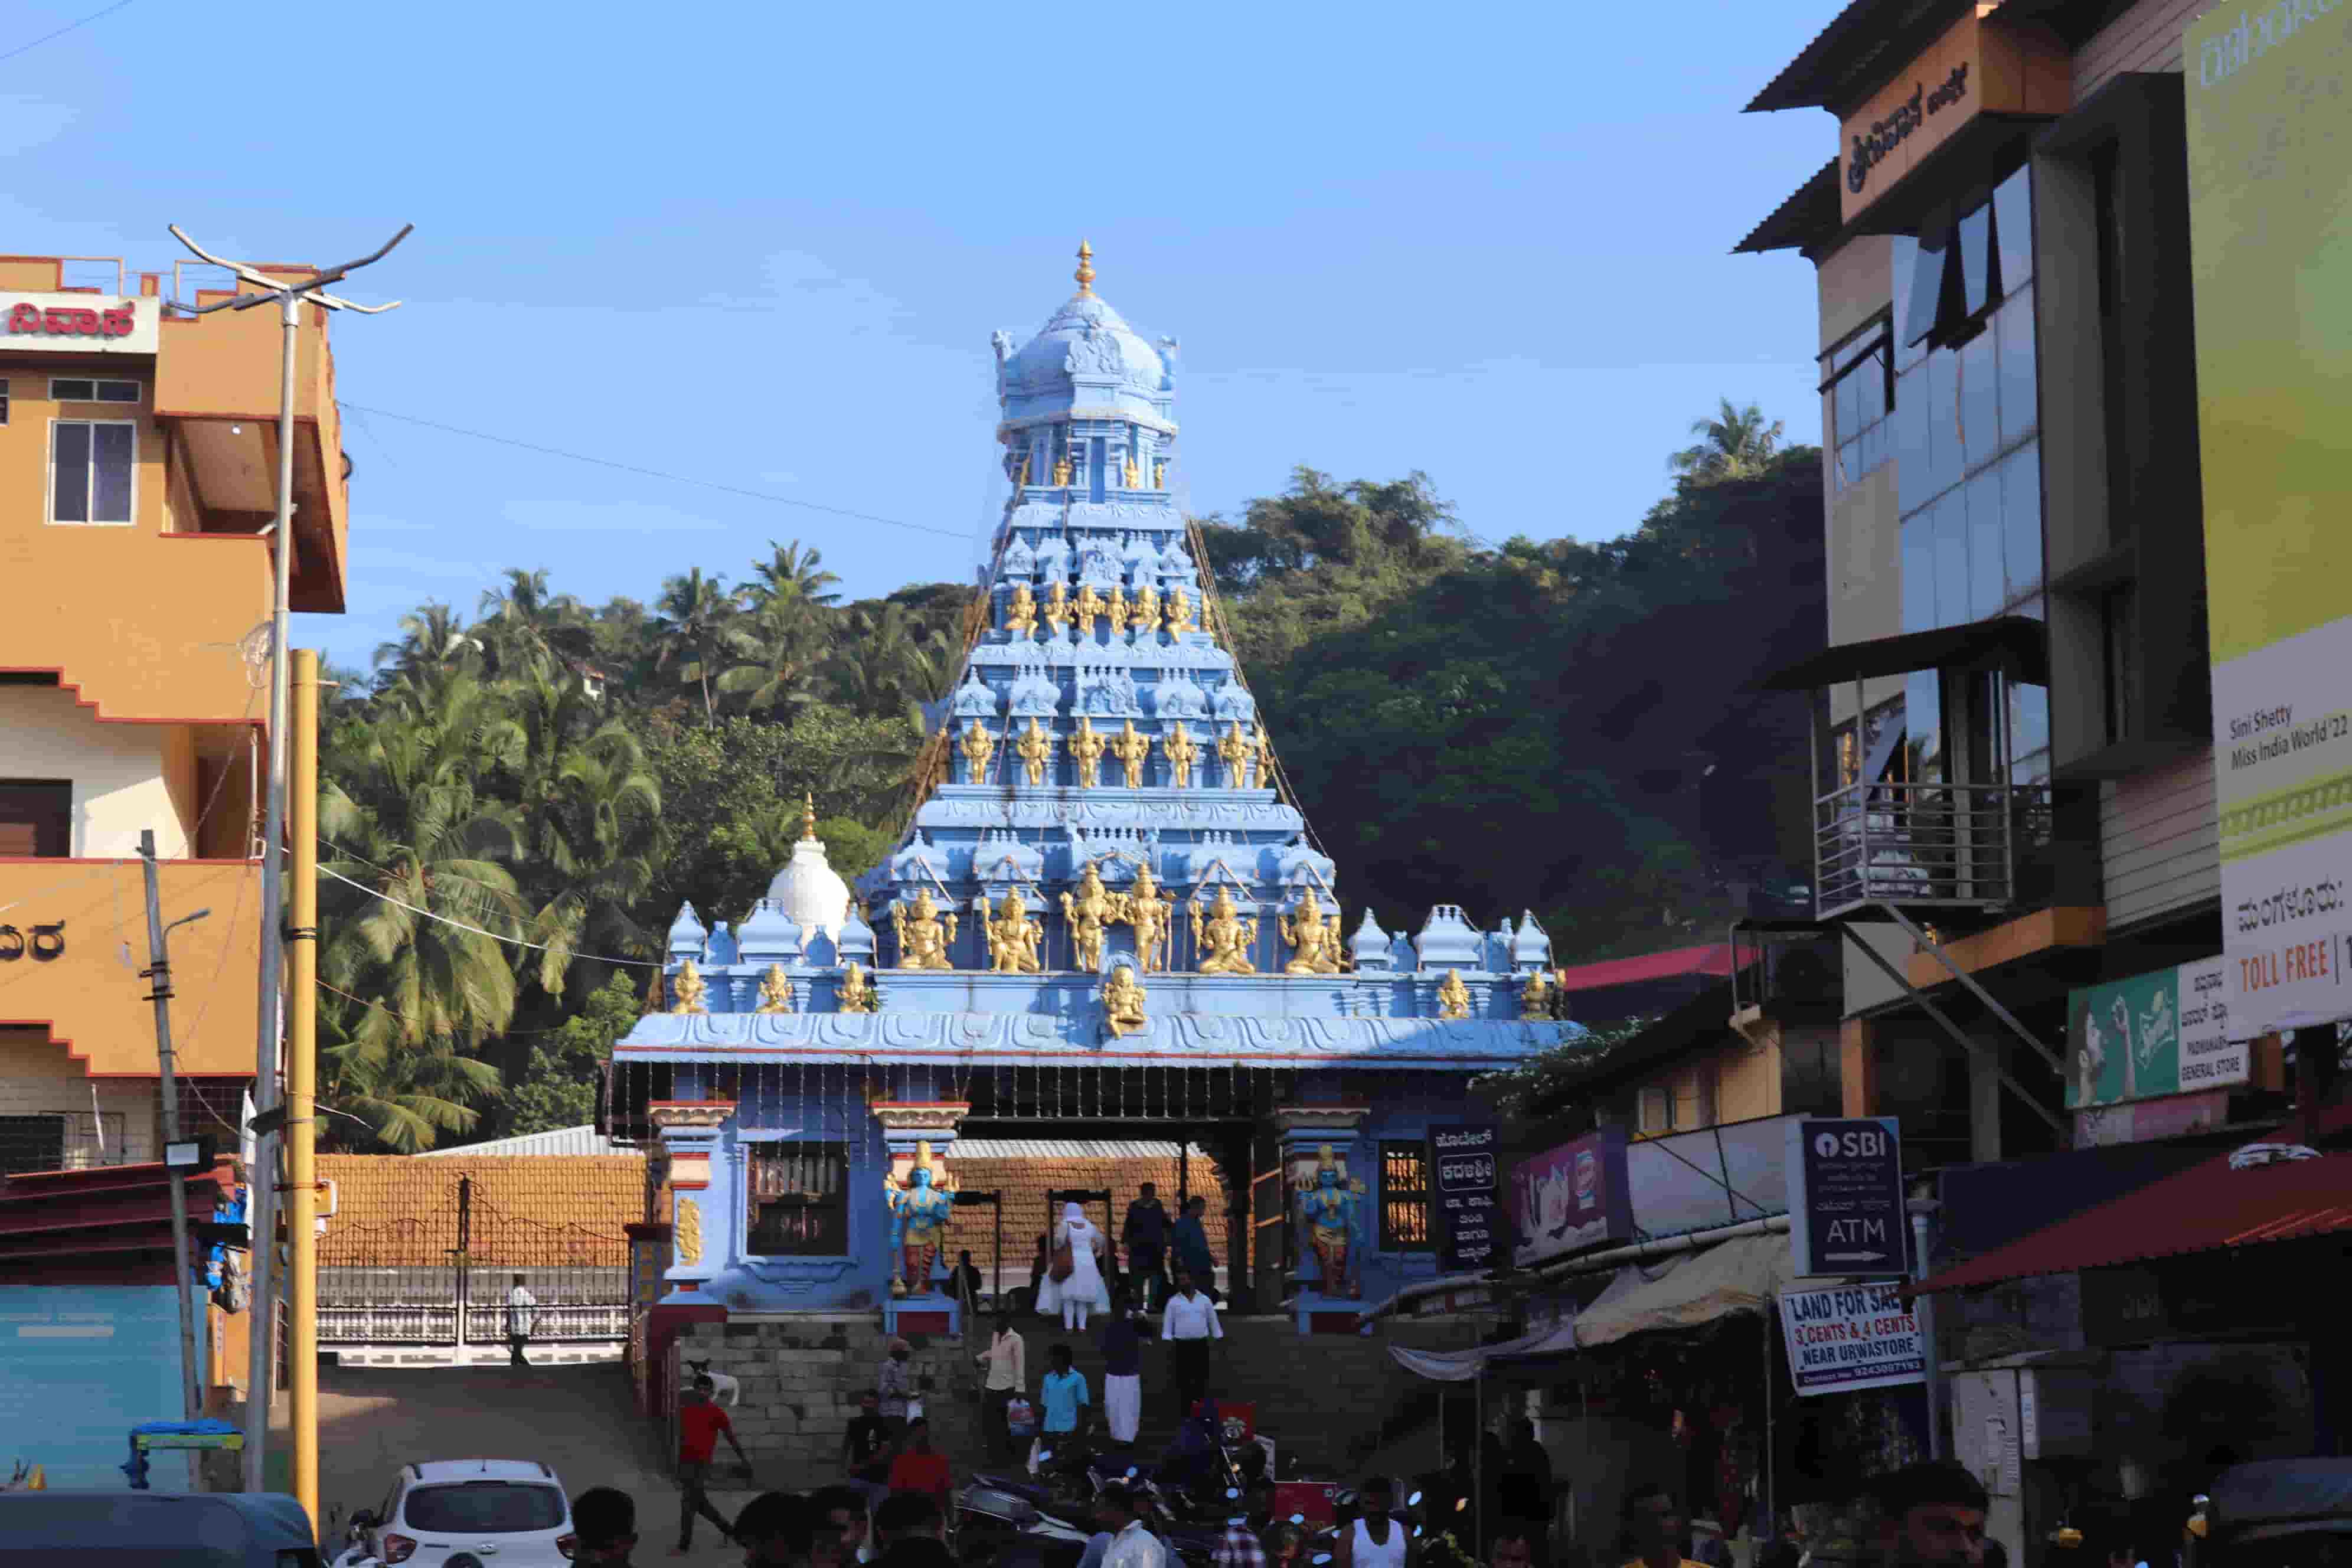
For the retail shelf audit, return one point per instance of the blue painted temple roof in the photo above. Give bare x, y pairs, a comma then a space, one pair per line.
1107, 867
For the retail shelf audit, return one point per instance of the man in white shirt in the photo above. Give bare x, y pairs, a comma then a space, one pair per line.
1131, 1545
1188, 1324
519, 1302
1006, 1359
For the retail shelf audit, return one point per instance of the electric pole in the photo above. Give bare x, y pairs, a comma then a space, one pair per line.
263, 1180
158, 971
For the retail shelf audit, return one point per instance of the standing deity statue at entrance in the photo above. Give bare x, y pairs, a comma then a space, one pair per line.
1086, 750
1153, 913
1223, 937
1086, 609
1093, 908
1013, 935
1021, 614
1056, 611
919, 1216
978, 748
923, 937
1132, 748
1236, 753
1328, 1208
1035, 750
1181, 754
1316, 937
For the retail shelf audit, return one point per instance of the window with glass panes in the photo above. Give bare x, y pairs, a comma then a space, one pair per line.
91, 463
1404, 1197
1857, 395
1967, 432
798, 1195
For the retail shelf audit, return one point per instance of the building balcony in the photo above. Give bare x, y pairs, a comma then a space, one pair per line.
73, 936
1930, 846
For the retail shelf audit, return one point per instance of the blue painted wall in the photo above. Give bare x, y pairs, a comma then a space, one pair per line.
79, 1366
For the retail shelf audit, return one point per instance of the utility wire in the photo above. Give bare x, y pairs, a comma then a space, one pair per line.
956, 534
62, 32
478, 930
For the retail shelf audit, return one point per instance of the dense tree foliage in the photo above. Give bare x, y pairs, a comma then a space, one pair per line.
513, 803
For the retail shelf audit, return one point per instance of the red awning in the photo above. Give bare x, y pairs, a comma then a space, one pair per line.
1714, 960
2207, 1207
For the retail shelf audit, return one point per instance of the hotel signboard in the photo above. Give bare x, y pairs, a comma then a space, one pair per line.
74, 323
1979, 67
2272, 265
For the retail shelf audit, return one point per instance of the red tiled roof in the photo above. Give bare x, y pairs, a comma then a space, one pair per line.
2207, 1207
1714, 959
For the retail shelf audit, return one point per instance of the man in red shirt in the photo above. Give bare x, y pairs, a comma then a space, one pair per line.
700, 1423
920, 1468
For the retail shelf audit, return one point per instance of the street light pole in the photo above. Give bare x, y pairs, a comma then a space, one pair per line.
159, 973
262, 1179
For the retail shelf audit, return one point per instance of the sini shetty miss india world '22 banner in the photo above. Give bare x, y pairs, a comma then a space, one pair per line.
2269, 181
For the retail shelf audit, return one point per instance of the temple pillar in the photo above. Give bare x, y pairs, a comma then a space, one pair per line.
1304, 1133
706, 1221
912, 1130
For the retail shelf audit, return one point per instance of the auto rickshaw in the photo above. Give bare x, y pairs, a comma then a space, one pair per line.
155, 1530
2274, 1513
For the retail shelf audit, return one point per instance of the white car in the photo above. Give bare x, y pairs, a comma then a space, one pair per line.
466, 1513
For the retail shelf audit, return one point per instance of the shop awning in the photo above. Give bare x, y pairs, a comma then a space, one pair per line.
1742, 1275
2017, 644
1461, 1366
2207, 1208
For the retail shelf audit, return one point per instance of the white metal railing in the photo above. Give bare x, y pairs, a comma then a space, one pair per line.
1924, 844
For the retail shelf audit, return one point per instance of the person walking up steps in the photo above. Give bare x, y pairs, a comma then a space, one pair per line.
1192, 1241
700, 1423
1188, 1325
1145, 1237
1081, 1290
1122, 1345
1007, 1360
1064, 1391
895, 1383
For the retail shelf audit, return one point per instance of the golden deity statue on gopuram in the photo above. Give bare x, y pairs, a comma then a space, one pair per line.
1091, 908
1123, 1001
1236, 753
1118, 610
1223, 936
688, 991
1152, 912
1132, 748
1181, 753
1086, 750
978, 748
856, 993
1452, 996
1314, 937
1035, 750
1086, 609
1147, 612
923, 935
1021, 614
775, 991
1057, 612
1013, 935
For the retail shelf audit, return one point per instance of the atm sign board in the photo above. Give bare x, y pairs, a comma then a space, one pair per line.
1846, 1214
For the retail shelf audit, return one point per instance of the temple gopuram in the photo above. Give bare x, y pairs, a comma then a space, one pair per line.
1106, 917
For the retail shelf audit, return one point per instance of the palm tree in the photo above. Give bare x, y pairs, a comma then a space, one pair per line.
525, 623
792, 573
403, 1098
889, 664
695, 631
430, 637
789, 644
1735, 445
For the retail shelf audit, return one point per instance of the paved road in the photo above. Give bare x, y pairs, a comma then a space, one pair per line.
576, 1418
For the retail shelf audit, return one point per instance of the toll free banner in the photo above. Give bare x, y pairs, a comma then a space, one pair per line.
1839, 1340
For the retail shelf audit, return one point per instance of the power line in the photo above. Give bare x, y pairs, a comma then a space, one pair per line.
62, 32
654, 473
478, 930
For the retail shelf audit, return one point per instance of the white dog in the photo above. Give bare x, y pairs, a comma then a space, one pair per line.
724, 1388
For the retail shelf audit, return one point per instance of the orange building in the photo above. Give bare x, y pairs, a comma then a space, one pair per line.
138, 464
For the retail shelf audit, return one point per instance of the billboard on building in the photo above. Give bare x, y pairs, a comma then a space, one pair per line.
1572, 1198
2162, 1032
2272, 259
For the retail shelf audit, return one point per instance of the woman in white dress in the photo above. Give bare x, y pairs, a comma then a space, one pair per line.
1083, 1290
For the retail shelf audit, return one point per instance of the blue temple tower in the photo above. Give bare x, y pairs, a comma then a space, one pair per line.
1105, 910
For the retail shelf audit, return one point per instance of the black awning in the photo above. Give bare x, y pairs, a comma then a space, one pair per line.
1807, 217
2017, 645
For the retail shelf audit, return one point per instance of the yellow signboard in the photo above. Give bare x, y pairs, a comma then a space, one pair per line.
2270, 172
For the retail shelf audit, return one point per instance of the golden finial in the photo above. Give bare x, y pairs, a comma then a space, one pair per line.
1085, 273
808, 814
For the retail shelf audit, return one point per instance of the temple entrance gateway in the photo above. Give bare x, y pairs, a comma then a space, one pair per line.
1105, 919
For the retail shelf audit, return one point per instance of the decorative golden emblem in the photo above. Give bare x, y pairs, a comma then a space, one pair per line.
688, 991
1035, 750
923, 936
1086, 750
1223, 936
1013, 936
1180, 610
1181, 753
1093, 908
1123, 1001
775, 991
1132, 748
979, 750
1535, 996
1452, 996
856, 990
1315, 936
688, 1230
1021, 614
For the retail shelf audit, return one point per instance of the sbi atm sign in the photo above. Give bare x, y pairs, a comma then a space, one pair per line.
1846, 1215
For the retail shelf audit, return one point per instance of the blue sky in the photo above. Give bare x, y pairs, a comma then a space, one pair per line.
765, 246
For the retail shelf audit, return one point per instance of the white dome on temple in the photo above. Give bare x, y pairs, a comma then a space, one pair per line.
808, 888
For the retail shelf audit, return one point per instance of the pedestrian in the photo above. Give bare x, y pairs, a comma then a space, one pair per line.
700, 1423
1122, 1346
1038, 1266
1081, 1290
1526, 1494
896, 1384
907, 1516
1931, 1515
1007, 1360
1064, 1389
867, 1447
1239, 1547
967, 1279
1517, 1544
1191, 1242
1145, 1237
1284, 1544
920, 1468
1651, 1522
1131, 1545
775, 1530
1188, 1323
604, 1524
839, 1522
1375, 1540
519, 1302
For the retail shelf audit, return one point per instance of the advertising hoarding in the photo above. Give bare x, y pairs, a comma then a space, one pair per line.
2163, 1033
1572, 1198
1861, 1337
1846, 1214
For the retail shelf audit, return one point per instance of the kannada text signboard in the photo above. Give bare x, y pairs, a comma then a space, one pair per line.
1861, 1337
1464, 1187
2166, 1032
1846, 1215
